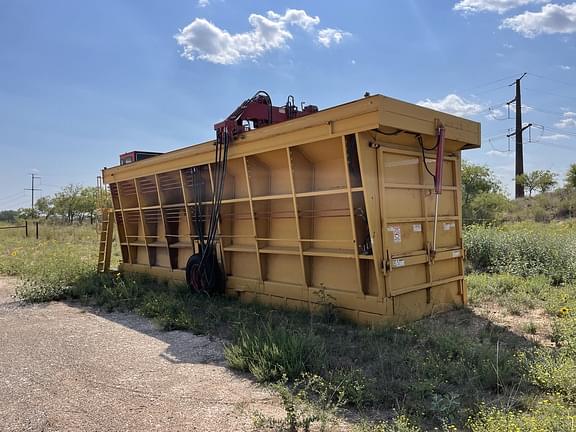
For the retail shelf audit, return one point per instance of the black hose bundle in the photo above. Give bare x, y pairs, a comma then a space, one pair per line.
203, 272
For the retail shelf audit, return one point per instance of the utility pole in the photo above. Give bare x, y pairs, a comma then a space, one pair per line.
518, 133
34, 177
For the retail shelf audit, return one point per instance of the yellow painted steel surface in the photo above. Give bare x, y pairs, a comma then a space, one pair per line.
336, 206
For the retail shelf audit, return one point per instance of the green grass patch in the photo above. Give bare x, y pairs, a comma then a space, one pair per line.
550, 414
436, 372
524, 250
269, 353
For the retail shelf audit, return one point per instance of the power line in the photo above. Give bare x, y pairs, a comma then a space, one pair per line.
547, 111
491, 90
489, 83
552, 129
549, 144
10, 197
550, 93
552, 79
11, 203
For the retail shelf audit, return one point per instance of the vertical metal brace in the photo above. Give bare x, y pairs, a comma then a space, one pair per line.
440, 134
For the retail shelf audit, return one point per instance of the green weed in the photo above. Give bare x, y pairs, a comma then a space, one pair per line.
269, 353
548, 415
400, 423
524, 250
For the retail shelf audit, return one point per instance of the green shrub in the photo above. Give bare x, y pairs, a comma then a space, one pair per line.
549, 415
526, 252
308, 402
269, 353
555, 370
169, 312
400, 423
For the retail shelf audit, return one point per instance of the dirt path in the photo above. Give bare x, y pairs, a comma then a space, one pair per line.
66, 369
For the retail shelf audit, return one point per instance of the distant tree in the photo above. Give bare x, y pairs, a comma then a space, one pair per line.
489, 207
28, 213
45, 207
8, 215
67, 202
547, 181
477, 179
571, 176
482, 197
88, 203
538, 180
74, 203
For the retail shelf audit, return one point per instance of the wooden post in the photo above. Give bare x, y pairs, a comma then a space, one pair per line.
26, 227
37, 223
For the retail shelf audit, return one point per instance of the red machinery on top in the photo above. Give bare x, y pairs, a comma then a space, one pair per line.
257, 112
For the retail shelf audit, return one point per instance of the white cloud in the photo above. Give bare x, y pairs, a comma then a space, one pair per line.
203, 40
565, 67
328, 36
203, 3
553, 18
500, 153
499, 6
453, 104
507, 45
296, 17
555, 137
568, 121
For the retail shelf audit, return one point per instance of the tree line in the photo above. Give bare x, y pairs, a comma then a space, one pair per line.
484, 200
72, 204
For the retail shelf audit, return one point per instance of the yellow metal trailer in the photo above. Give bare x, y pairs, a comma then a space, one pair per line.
337, 206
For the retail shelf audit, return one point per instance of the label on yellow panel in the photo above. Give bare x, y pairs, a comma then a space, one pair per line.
455, 254
417, 227
398, 263
449, 226
396, 233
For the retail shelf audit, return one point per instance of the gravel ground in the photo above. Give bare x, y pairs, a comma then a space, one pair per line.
65, 368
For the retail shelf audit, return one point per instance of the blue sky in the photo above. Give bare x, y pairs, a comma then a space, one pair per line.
82, 82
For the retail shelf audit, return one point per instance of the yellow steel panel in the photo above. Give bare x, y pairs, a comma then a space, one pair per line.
322, 207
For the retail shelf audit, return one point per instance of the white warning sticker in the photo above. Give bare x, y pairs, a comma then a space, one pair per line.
449, 226
455, 253
417, 227
396, 233
398, 263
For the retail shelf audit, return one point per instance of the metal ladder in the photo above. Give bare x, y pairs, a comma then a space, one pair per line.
106, 235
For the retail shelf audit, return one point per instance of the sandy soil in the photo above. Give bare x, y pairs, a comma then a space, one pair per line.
65, 368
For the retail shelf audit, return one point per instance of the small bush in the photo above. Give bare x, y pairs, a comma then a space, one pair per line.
169, 312
269, 353
399, 424
530, 328
554, 372
553, 416
309, 401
